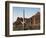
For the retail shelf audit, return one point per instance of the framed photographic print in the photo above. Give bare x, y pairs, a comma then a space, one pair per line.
24, 18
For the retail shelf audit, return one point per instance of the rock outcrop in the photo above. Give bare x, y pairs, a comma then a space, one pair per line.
30, 23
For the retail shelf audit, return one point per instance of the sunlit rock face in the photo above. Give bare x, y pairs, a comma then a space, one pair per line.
35, 21
29, 23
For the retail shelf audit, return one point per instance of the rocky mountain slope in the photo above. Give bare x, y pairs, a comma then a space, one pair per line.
28, 23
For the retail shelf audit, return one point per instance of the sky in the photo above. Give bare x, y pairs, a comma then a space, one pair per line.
18, 12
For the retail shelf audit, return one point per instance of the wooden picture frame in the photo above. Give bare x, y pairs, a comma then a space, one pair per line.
7, 18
